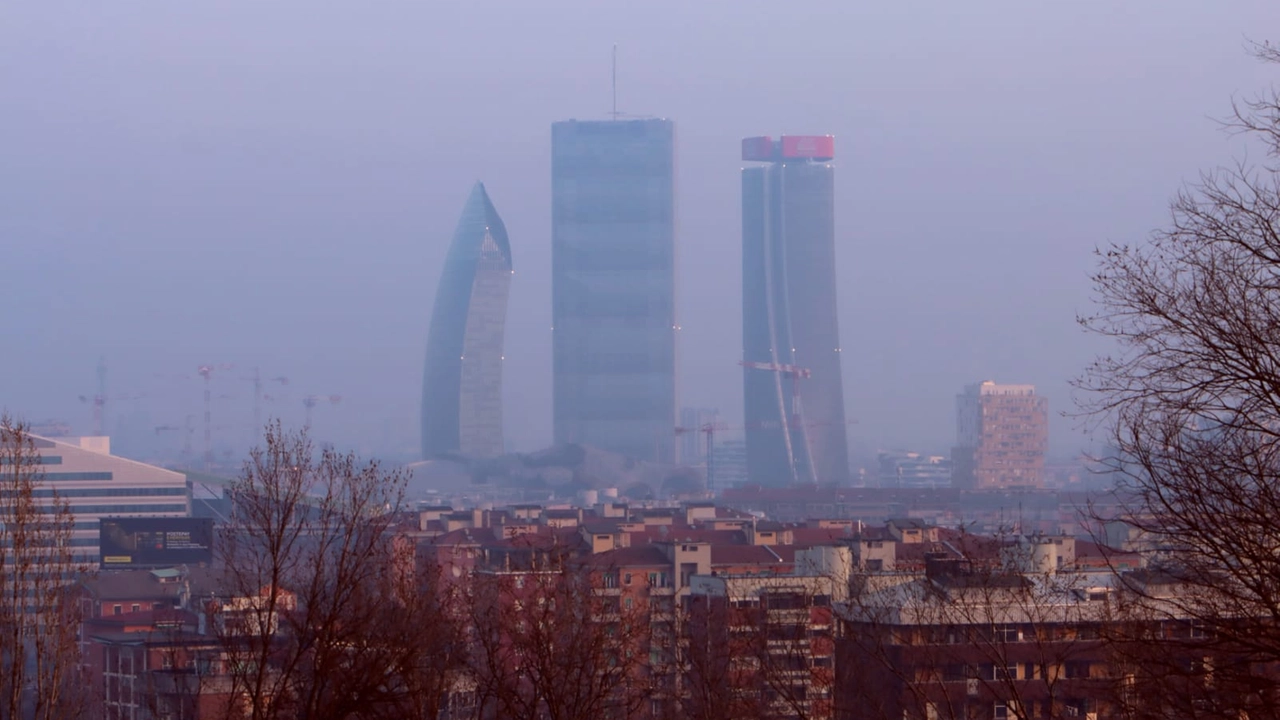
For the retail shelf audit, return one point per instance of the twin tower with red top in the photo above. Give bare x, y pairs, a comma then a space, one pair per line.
817, 148
795, 428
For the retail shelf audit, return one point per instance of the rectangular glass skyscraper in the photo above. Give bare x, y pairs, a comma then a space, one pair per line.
793, 392
613, 285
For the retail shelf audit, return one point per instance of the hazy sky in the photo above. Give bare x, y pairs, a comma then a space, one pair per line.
274, 184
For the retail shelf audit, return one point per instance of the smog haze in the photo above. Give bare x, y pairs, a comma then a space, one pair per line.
274, 186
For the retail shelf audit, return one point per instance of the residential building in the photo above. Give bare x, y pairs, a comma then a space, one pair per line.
147, 648
941, 623
771, 637
1002, 434
613, 286
792, 384
462, 381
97, 484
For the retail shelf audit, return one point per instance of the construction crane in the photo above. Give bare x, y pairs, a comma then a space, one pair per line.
796, 418
259, 396
709, 429
206, 372
100, 400
311, 401
187, 432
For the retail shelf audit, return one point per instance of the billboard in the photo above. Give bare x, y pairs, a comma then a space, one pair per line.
135, 542
813, 147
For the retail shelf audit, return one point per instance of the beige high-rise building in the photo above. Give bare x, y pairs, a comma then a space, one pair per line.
1002, 434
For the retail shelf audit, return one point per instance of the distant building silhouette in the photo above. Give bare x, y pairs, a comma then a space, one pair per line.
913, 470
613, 285
1002, 433
728, 466
462, 382
789, 313
693, 437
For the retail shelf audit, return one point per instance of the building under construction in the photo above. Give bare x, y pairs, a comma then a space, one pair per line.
793, 392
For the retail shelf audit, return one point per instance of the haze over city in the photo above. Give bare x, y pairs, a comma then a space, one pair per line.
275, 187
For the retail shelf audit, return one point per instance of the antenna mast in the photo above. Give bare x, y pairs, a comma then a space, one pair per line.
615, 82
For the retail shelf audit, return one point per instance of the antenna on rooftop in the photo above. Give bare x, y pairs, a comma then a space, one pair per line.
614, 113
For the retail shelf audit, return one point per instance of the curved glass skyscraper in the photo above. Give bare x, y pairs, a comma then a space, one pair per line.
462, 382
790, 338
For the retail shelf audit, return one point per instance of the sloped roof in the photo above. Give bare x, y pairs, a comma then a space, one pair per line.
641, 556
744, 555
128, 585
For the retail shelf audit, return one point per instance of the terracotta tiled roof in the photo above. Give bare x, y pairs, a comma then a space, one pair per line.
644, 555
685, 533
819, 536
128, 585
743, 555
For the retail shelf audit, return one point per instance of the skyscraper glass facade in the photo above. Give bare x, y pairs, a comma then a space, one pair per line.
789, 314
462, 381
613, 285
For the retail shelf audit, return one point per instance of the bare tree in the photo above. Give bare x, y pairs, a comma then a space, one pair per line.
39, 613
309, 564
714, 668
552, 644
429, 678
1190, 402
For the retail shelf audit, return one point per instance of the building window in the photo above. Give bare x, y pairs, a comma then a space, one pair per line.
135, 608
1001, 712
117, 609
626, 579
1007, 633
1001, 672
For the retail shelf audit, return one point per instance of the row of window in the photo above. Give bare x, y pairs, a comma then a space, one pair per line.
39, 460
656, 579
59, 476
109, 492
116, 508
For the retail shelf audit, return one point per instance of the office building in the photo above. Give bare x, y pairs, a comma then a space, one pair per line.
1002, 433
913, 471
613, 286
790, 336
97, 484
462, 382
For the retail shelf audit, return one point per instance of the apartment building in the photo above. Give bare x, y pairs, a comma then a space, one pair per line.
1002, 435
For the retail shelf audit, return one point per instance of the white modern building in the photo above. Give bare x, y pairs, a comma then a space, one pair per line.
97, 484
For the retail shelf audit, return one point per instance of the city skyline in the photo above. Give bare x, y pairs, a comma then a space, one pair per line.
973, 419
211, 208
